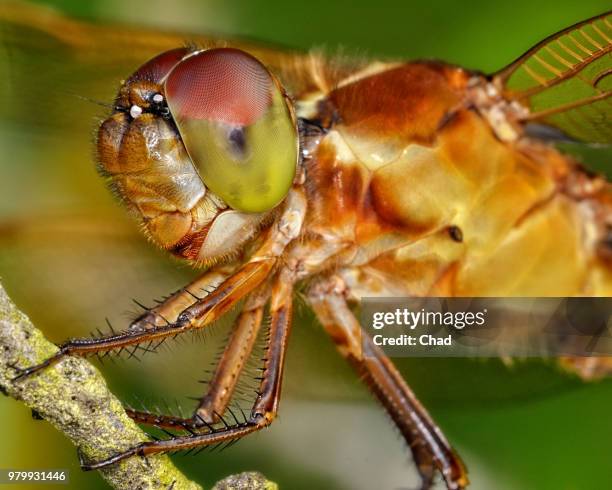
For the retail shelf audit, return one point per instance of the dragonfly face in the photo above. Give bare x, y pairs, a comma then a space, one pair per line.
411, 179
188, 149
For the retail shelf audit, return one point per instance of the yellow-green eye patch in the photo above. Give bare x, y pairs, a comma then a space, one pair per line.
236, 125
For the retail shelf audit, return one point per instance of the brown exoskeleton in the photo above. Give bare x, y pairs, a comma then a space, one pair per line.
391, 179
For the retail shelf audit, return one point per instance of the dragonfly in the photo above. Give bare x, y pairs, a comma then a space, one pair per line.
279, 173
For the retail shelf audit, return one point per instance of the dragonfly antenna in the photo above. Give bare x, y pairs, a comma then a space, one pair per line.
93, 101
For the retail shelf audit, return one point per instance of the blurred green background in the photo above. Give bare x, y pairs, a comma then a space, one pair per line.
70, 258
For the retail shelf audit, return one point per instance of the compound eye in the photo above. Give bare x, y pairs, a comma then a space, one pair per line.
157, 68
237, 126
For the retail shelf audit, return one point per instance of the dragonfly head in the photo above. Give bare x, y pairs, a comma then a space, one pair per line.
203, 146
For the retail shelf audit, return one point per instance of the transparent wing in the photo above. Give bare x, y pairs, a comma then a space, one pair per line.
566, 80
53, 66
50, 63
67, 250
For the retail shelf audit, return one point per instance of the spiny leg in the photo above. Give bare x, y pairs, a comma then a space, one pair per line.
266, 405
168, 310
429, 446
236, 353
171, 307
204, 311
227, 372
198, 315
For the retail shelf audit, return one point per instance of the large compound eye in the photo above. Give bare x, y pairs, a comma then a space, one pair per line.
157, 68
236, 125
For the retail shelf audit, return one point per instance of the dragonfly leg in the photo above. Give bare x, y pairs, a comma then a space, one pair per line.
221, 388
198, 315
429, 446
232, 361
205, 310
169, 309
266, 405
588, 368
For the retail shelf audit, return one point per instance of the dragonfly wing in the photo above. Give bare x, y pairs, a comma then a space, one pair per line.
56, 218
565, 81
50, 62
47, 59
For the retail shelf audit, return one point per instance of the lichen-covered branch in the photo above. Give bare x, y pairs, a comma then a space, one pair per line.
73, 396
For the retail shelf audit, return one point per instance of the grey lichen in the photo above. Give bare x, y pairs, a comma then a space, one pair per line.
250, 480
